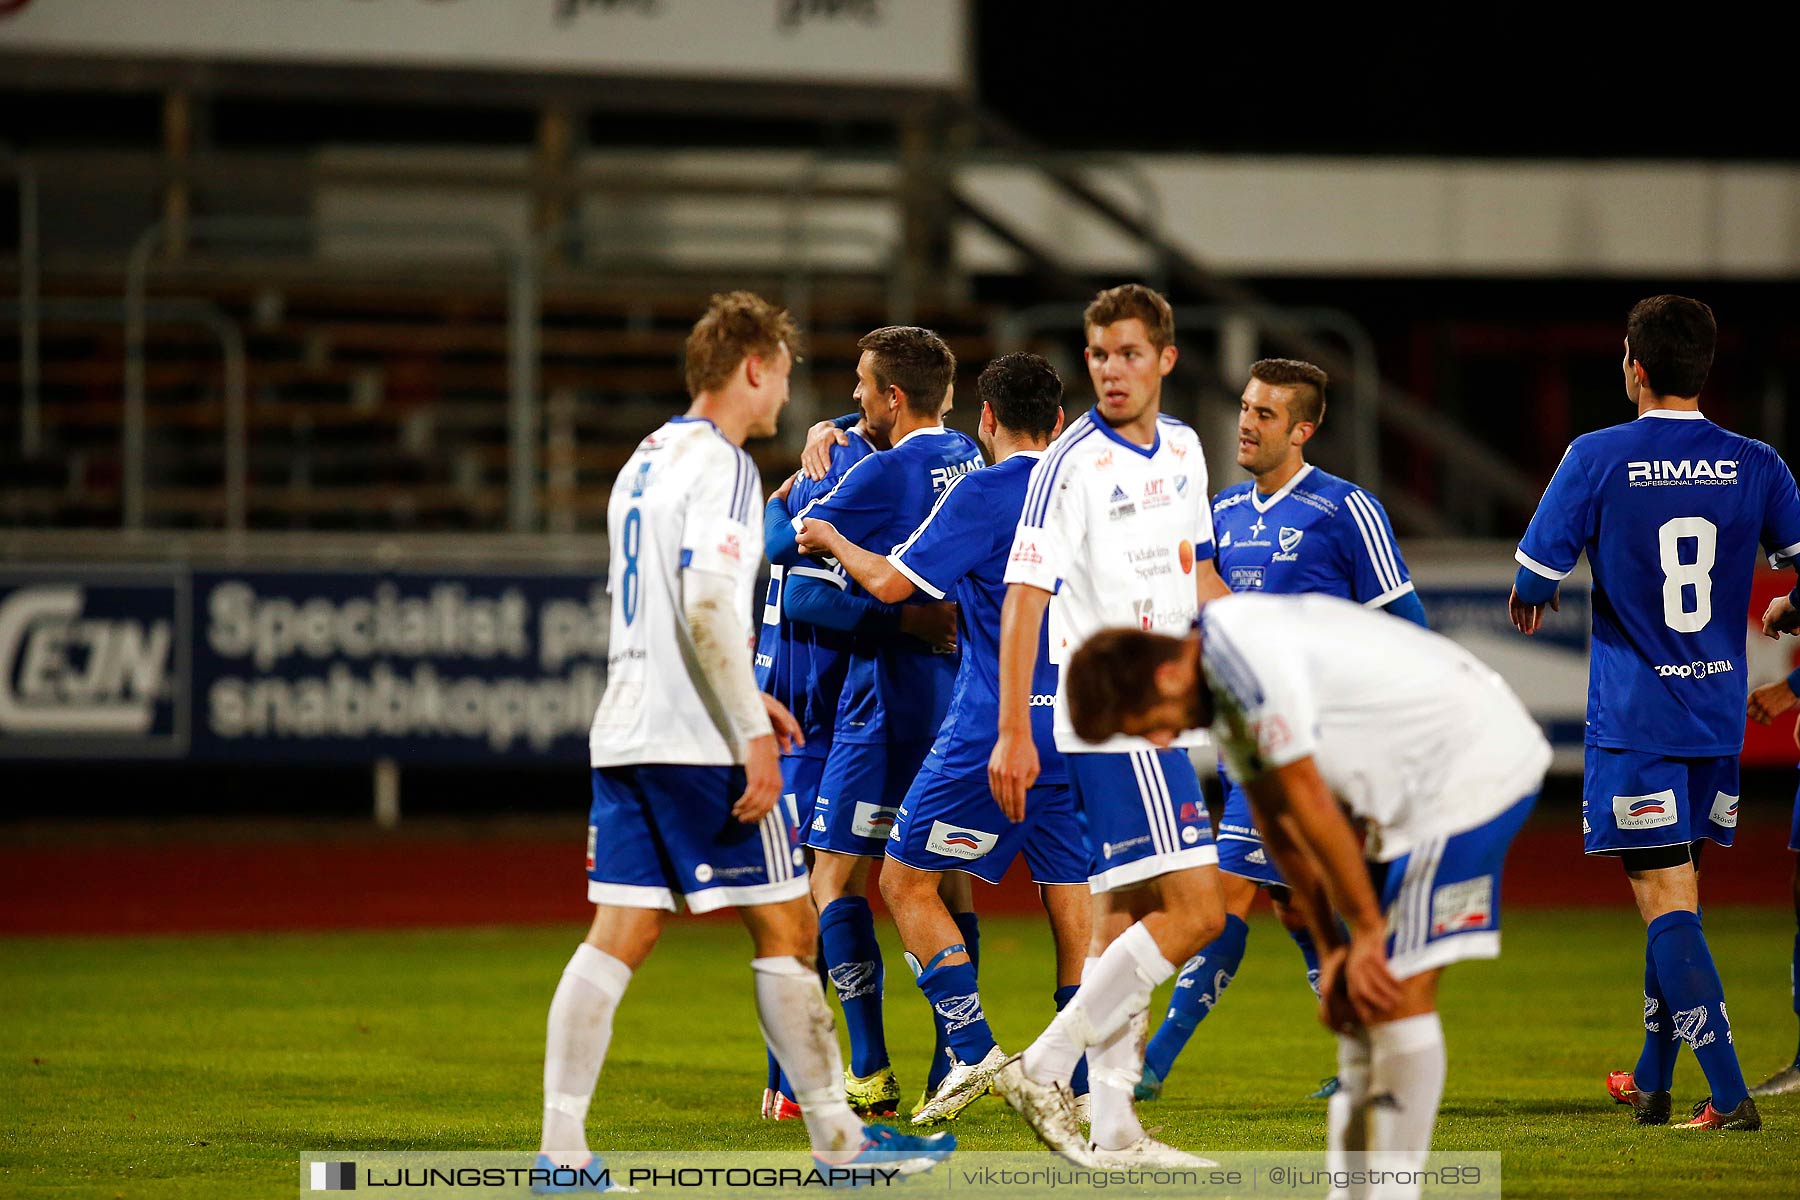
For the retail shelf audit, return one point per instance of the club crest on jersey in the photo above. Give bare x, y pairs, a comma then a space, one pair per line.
1289, 540
1645, 812
1725, 810
959, 841
1181, 485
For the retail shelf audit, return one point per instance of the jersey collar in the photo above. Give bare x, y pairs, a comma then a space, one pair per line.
1674, 414
923, 429
684, 419
1147, 451
1262, 506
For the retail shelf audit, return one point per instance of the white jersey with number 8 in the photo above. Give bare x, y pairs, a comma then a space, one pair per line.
685, 501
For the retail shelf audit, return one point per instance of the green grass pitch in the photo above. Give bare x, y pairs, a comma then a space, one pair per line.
200, 1067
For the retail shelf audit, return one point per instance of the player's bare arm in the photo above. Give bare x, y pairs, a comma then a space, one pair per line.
708, 601
1207, 584
933, 623
873, 571
1770, 701
1303, 827
1013, 766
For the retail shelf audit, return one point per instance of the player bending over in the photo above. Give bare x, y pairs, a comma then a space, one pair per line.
1292, 528
1117, 529
685, 778
1669, 509
948, 821
1328, 713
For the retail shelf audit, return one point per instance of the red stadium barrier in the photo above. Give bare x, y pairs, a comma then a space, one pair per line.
362, 881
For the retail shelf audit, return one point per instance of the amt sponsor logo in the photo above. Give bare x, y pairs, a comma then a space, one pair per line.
88, 661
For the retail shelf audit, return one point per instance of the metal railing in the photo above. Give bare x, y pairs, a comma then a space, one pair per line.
520, 266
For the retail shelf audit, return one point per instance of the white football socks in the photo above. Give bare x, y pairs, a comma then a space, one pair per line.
1114, 988
1390, 1080
1114, 1068
1346, 1132
580, 1029
1407, 1063
790, 1006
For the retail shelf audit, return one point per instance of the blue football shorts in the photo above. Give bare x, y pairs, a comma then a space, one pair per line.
1636, 801
800, 784
947, 824
860, 793
1145, 815
1241, 849
657, 831
1442, 898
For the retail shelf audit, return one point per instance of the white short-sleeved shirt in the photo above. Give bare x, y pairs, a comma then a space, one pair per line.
685, 501
1114, 530
1413, 733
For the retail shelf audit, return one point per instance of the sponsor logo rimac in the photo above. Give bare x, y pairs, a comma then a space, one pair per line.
1663, 472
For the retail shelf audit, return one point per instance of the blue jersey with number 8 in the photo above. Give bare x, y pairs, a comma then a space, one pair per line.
1670, 509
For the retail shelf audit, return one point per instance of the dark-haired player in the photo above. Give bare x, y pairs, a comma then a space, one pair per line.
1322, 708
1669, 509
949, 821
896, 688
1291, 528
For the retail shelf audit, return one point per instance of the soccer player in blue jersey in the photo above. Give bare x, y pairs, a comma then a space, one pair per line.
949, 821
802, 665
1767, 703
1292, 528
1669, 509
895, 691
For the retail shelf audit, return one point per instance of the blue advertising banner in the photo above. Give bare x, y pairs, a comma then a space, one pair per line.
299, 666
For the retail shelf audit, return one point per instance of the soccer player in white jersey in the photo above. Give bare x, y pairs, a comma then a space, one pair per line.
1325, 710
683, 748
1117, 528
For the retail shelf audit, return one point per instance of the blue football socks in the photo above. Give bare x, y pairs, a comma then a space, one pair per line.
956, 1010
1695, 1001
968, 925
1303, 938
1197, 989
853, 958
1078, 1082
1794, 989
1655, 1071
